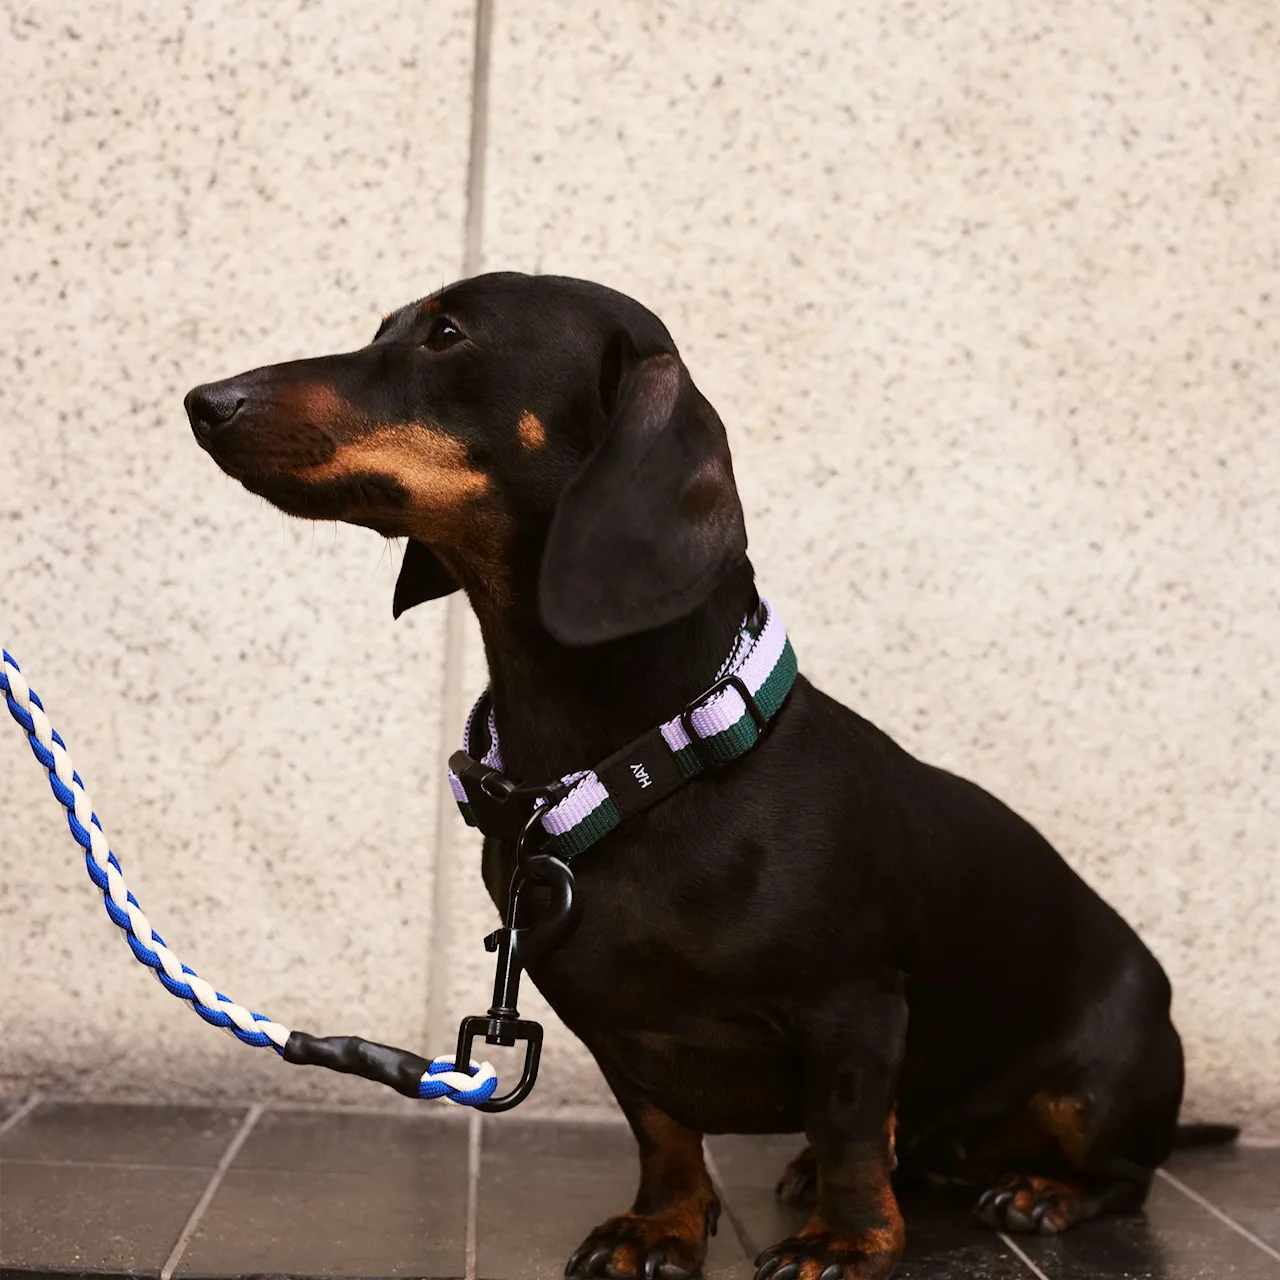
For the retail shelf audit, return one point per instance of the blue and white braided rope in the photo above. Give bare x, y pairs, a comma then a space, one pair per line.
441, 1081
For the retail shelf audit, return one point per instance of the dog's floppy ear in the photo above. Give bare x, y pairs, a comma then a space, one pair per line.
422, 577
644, 531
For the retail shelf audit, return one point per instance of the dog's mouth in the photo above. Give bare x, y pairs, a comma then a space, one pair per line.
368, 499
293, 466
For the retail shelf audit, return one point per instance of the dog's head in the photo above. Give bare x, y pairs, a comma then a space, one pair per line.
534, 437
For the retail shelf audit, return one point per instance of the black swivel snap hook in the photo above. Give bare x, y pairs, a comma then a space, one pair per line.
517, 945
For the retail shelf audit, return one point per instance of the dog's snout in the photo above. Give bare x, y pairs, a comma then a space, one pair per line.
211, 406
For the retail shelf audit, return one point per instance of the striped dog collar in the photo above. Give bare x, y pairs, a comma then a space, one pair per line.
724, 722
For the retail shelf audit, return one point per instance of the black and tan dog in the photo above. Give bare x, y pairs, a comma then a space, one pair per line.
826, 935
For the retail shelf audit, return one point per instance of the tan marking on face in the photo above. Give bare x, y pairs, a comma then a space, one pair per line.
447, 509
432, 466
428, 306
318, 404
533, 435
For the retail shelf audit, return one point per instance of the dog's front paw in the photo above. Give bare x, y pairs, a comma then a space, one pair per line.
799, 1181
660, 1246
1046, 1206
830, 1255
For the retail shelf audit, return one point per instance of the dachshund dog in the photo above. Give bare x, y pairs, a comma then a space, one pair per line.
824, 935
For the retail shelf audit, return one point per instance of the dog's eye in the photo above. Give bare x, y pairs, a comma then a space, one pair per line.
442, 334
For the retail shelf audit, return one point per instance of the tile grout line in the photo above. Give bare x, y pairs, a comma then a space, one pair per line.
745, 1243
401, 1108
1224, 1218
21, 1113
451, 694
1018, 1252
475, 1147
193, 1220
133, 1166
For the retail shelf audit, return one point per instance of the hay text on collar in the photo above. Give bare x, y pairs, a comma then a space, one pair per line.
722, 723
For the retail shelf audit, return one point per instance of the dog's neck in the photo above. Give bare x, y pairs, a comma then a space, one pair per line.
559, 709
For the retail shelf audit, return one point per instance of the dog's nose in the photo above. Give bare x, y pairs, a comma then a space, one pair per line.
212, 406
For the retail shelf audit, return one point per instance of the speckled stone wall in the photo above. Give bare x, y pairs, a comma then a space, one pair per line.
186, 195
989, 303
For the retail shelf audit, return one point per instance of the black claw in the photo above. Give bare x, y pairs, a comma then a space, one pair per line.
771, 1254
984, 1202
1042, 1224
788, 1272
986, 1214
834, 1272
601, 1256
766, 1271
1002, 1200
713, 1217
653, 1263
576, 1258
794, 1185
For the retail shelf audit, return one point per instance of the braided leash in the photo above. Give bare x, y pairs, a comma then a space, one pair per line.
440, 1081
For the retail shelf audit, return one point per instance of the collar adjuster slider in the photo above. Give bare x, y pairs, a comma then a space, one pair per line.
731, 681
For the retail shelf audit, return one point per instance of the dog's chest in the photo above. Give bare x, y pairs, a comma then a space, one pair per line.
674, 1015
670, 978
712, 1062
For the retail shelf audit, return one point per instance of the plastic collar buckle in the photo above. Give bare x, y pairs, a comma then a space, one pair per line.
500, 806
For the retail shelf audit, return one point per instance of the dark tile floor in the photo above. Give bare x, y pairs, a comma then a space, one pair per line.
233, 1191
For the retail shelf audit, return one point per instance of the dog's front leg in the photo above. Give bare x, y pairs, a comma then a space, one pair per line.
851, 1065
675, 1210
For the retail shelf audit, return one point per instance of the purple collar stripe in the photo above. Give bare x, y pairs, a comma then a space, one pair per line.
755, 664
723, 725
